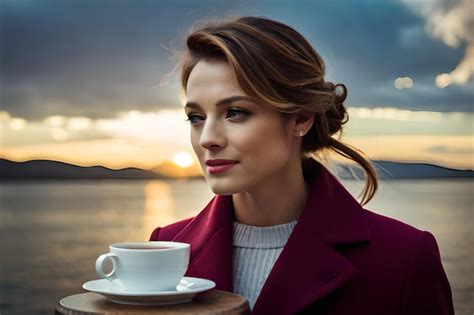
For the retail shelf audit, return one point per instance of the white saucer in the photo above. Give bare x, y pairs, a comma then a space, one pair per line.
187, 288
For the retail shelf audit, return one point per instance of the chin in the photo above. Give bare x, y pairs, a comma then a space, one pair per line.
221, 190
222, 187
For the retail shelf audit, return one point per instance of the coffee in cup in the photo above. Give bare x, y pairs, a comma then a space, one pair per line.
145, 266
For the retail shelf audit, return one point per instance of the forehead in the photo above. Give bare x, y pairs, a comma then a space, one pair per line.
212, 79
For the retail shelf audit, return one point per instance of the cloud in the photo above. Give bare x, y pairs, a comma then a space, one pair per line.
447, 149
97, 59
395, 114
17, 132
367, 45
165, 127
384, 121
92, 58
452, 22
403, 83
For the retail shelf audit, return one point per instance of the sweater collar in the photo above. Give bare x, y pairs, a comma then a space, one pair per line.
274, 236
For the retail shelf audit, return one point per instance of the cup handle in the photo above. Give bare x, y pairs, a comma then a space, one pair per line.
99, 266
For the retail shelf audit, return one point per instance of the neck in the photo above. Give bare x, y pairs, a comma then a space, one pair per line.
276, 202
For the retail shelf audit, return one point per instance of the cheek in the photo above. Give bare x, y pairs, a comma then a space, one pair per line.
195, 144
263, 144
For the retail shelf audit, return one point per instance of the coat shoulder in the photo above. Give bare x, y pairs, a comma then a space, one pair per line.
409, 259
168, 232
382, 226
425, 285
392, 240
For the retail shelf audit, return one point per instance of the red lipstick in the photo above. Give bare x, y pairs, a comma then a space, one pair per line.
219, 165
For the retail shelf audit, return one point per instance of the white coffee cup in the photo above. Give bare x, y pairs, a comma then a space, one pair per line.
145, 266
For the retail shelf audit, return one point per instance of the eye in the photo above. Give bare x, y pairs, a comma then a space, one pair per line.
191, 118
239, 112
232, 113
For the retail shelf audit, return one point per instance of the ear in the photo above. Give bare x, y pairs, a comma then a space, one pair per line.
303, 122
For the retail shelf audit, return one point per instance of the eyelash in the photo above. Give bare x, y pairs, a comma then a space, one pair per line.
244, 112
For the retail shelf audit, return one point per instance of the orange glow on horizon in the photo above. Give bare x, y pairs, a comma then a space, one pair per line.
449, 151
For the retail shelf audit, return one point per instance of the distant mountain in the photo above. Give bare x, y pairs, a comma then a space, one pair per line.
394, 170
45, 169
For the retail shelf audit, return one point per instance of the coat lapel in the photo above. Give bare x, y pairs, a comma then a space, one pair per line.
210, 234
308, 268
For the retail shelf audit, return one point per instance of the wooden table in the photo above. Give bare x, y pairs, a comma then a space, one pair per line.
209, 302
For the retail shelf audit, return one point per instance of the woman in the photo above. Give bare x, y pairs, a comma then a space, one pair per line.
282, 231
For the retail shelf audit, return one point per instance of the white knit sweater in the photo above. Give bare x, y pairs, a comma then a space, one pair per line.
255, 251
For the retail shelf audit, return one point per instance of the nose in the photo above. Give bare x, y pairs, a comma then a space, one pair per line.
212, 136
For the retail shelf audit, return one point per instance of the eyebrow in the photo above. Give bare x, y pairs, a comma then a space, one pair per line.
222, 102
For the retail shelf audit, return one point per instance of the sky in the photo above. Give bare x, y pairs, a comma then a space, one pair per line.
95, 82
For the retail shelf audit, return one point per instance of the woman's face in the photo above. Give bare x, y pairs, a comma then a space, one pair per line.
240, 130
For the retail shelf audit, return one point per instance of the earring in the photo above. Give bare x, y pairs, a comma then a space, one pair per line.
302, 133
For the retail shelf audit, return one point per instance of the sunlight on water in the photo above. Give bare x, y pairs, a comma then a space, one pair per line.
160, 208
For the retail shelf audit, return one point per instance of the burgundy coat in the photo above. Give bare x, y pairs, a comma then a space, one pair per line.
340, 258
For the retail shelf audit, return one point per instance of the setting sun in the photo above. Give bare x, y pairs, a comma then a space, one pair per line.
183, 159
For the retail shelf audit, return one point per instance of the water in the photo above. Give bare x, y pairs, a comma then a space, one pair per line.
51, 232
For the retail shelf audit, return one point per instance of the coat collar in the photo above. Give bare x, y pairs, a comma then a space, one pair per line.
307, 269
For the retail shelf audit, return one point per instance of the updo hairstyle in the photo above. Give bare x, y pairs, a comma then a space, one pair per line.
277, 66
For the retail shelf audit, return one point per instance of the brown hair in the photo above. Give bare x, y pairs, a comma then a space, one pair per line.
277, 66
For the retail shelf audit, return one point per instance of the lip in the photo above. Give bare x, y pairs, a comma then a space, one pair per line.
217, 169
220, 162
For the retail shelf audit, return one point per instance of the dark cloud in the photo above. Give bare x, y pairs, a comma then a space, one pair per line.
97, 58
368, 44
92, 58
